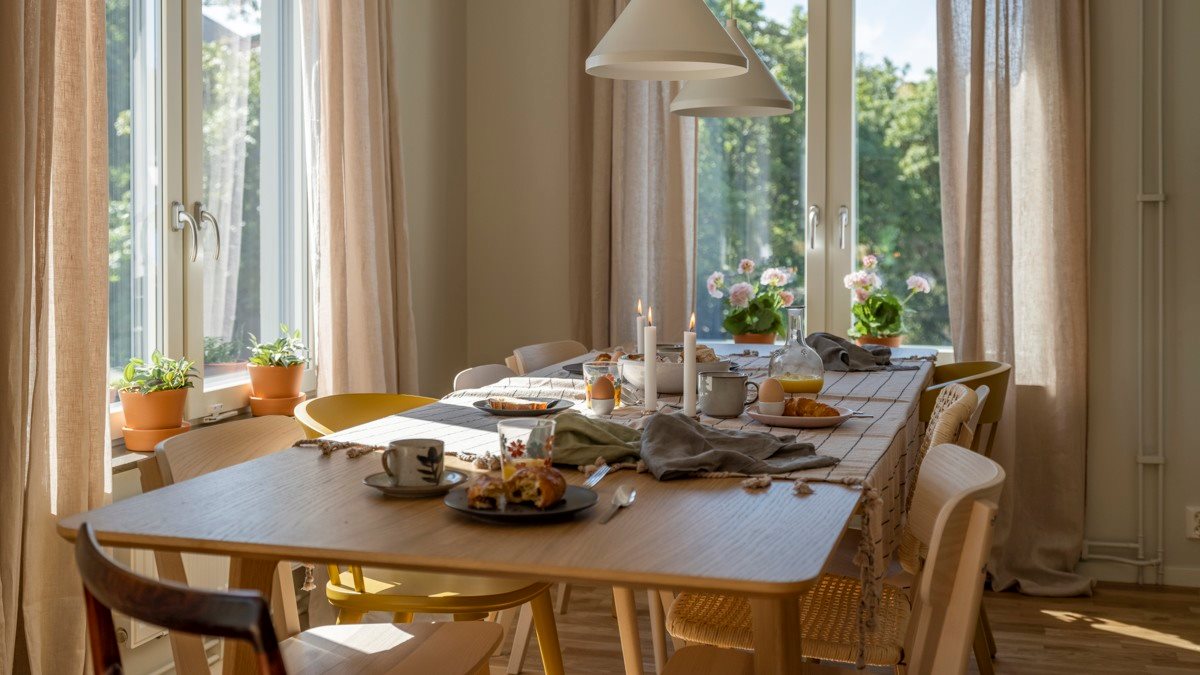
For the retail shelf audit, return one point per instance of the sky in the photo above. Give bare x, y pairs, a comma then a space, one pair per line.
904, 30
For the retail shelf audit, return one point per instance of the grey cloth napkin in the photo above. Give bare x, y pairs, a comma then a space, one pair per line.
840, 354
676, 446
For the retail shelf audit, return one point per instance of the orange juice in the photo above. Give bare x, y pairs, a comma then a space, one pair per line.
509, 466
802, 385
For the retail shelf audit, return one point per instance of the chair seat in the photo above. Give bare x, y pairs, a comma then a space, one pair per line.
828, 618
841, 563
430, 592
461, 648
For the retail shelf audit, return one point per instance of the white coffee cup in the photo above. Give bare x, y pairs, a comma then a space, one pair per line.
414, 462
724, 394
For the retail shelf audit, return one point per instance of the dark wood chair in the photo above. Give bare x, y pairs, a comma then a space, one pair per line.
460, 648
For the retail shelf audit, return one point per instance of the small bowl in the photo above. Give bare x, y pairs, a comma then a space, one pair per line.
775, 408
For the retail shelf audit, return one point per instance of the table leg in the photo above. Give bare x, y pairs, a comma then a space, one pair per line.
627, 625
254, 574
776, 636
658, 631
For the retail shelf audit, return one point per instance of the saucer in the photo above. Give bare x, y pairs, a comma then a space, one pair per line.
380, 481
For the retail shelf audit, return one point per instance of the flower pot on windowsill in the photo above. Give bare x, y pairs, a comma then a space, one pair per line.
892, 341
150, 418
275, 390
754, 338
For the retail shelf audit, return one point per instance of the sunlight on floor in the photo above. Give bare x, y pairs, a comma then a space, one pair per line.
1125, 629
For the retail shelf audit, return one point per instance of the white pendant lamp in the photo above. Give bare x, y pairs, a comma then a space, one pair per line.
666, 40
755, 94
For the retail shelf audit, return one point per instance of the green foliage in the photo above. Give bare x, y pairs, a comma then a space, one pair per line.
160, 374
217, 350
288, 350
762, 315
881, 315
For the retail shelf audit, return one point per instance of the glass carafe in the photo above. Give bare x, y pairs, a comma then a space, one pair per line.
797, 366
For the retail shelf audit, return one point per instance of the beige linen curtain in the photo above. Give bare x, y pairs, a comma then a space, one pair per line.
632, 195
364, 318
54, 311
1012, 79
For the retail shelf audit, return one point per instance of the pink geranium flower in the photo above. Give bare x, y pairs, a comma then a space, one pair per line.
919, 284
740, 294
775, 276
787, 298
716, 281
870, 262
746, 266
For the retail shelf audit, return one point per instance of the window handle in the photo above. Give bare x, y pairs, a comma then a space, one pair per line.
204, 216
814, 221
180, 218
844, 223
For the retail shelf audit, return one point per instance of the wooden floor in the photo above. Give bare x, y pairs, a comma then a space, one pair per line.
1121, 629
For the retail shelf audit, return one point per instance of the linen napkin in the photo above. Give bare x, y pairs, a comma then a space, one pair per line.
840, 354
579, 440
676, 446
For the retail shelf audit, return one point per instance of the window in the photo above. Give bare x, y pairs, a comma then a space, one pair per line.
204, 118
857, 160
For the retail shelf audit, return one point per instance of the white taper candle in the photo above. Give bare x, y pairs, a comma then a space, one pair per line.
650, 362
690, 383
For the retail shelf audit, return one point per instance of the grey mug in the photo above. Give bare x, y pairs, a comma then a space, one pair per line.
723, 394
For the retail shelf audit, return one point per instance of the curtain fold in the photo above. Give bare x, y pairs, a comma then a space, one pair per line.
1013, 97
54, 458
366, 339
632, 195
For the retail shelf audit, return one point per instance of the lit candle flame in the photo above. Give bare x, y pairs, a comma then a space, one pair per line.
650, 317
692, 323
639, 306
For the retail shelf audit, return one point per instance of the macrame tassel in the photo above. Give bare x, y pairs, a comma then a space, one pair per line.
309, 580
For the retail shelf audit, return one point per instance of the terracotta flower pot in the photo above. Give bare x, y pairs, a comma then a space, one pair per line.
891, 341
145, 440
276, 381
754, 338
274, 406
159, 410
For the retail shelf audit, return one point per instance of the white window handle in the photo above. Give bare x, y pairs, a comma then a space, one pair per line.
180, 219
844, 223
814, 221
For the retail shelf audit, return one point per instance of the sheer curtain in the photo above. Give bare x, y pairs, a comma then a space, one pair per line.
1012, 81
365, 331
54, 458
632, 195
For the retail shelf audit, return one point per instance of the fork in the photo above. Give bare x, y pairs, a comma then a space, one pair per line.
596, 476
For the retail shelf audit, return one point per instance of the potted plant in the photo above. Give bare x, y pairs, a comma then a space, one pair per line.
153, 396
276, 369
753, 307
878, 314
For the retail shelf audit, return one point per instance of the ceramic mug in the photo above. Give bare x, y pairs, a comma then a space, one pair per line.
723, 394
413, 462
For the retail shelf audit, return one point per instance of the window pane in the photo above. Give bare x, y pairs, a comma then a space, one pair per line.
134, 169
250, 153
899, 194
751, 170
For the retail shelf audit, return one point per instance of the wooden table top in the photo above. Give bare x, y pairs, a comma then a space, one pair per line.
298, 505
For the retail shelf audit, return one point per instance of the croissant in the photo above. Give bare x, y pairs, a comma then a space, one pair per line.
542, 486
807, 407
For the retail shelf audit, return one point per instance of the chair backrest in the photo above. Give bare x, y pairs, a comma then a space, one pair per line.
325, 415
482, 376
953, 513
955, 404
207, 449
973, 374
533, 357
966, 433
237, 615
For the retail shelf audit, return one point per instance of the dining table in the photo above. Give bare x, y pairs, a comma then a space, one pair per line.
711, 535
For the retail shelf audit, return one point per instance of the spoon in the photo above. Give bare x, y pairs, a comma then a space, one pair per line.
623, 497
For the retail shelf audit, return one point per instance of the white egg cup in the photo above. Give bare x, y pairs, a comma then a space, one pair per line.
602, 406
775, 408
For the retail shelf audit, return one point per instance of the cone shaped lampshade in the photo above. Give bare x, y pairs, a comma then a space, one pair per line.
755, 94
666, 40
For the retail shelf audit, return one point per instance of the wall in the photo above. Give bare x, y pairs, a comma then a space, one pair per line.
431, 62
516, 175
1115, 303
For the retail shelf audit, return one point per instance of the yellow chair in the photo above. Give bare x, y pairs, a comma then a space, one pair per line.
973, 374
402, 593
325, 415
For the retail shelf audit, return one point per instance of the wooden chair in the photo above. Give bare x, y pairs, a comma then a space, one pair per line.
326, 414
533, 357
482, 376
244, 615
952, 513
202, 451
973, 374
403, 593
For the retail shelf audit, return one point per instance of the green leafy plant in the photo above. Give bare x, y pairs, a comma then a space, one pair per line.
159, 374
217, 350
878, 312
286, 351
753, 305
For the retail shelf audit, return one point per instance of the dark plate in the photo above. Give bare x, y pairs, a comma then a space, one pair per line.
575, 500
574, 368
557, 405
